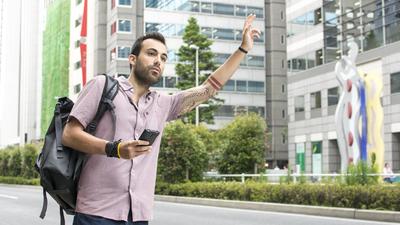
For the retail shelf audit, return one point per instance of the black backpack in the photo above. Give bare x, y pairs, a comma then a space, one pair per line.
60, 166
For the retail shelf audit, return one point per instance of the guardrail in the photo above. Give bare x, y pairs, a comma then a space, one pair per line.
313, 177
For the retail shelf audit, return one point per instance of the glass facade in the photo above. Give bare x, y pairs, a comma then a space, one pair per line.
176, 30
205, 7
244, 86
370, 23
232, 110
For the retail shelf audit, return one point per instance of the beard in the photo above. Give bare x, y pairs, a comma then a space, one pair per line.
144, 76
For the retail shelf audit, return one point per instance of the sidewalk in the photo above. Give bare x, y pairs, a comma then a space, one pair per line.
361, 214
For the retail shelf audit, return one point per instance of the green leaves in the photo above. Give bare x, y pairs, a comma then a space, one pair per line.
183, 155
244, 145
186, 68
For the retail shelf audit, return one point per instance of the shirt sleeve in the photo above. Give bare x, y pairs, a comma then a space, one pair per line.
175, 106
88, 100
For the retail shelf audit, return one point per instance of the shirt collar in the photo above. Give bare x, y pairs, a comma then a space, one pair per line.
127, 86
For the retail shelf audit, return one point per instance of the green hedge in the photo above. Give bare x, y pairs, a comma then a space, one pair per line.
382, 197
18, 161
19, 180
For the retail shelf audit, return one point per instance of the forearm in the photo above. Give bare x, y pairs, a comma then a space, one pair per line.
226, 70
75, 137
197, 95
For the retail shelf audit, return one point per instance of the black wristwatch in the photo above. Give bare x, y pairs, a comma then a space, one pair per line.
112, 148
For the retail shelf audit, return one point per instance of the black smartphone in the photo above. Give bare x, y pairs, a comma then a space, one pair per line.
149, 135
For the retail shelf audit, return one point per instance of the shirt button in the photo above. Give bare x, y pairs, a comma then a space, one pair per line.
147, 113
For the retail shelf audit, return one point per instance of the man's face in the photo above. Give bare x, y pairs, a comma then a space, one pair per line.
149, 65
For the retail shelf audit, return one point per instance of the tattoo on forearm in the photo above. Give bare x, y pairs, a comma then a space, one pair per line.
195, 96
214, 82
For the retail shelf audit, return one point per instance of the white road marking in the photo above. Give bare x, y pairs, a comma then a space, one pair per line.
8, 196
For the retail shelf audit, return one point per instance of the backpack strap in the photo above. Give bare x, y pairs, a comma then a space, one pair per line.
62, 217
110, 90
58, 127
44, 207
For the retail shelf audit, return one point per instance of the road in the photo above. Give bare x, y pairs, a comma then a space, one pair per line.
22, 205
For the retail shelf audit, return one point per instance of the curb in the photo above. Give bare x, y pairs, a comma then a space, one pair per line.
349, 213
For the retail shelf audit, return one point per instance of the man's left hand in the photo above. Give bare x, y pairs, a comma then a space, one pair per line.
249, 33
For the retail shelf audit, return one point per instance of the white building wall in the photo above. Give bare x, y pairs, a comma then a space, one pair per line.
19, 71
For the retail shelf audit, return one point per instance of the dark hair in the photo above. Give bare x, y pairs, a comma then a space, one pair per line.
137, 46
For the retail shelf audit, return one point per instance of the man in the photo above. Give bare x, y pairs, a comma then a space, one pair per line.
118, 180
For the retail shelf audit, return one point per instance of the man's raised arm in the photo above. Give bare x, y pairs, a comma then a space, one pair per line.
195, 96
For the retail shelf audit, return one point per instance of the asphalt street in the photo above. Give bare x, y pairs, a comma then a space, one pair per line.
22, 205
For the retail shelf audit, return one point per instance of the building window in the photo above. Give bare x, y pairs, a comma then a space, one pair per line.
333, 96
255, 86
188, 6
240, 10
170, 82
124, 2
255, 10
226, 34
241, 85
207, 31
299, 104
283, 88
112, 4
113, 28
77, 88
223, 9
225, 111
77, 43
78, 21
229, 86
395, 83
283, 114
283, 139
206, 7
256, 109
255, 61
282, 39
315, 100
124, 25
77, 65
123, 52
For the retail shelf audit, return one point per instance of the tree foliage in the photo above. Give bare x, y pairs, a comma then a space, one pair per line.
186, 68
182, 155
244, 145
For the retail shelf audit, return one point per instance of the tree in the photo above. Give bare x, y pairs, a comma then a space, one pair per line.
244, 145
186, 68
212, 144
182, 154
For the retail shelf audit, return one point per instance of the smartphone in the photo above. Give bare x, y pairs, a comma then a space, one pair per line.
149, 135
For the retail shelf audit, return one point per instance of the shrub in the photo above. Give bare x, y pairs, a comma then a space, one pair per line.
334, 195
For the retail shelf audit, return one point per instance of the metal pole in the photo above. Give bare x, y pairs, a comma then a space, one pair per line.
197, 82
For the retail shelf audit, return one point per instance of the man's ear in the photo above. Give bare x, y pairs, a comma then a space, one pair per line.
132, 59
